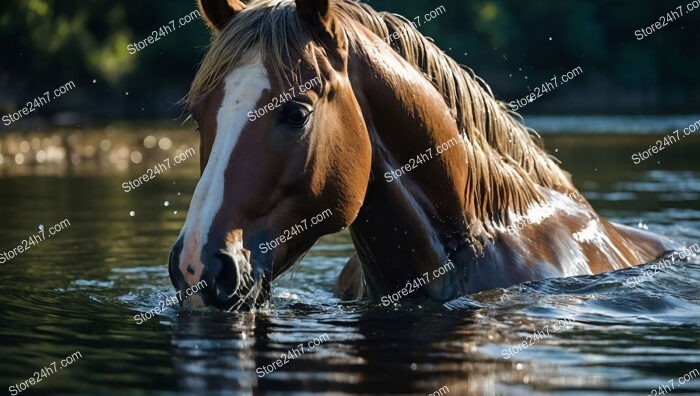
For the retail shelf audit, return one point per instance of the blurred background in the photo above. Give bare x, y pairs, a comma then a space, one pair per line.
513, 45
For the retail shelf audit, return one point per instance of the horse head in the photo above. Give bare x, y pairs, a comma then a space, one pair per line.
285, 152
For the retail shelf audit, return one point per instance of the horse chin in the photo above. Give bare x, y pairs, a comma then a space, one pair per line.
254, 296
253, 293
196, 304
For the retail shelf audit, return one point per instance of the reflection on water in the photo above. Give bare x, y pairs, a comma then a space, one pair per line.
81, 289
610, 124
92, 150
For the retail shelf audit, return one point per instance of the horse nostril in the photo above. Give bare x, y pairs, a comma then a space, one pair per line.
227, 281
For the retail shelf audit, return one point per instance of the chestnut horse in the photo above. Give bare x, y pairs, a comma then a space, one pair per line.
394, 140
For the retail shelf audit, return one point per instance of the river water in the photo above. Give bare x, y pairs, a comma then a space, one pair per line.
80, 289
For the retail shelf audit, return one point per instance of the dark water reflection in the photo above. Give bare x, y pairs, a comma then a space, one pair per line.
80, 290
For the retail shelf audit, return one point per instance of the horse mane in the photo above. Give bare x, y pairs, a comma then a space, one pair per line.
505, 160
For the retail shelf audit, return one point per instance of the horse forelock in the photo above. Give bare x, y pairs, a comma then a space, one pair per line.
271, 28
506, 162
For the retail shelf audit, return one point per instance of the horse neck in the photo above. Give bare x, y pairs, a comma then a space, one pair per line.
411, 221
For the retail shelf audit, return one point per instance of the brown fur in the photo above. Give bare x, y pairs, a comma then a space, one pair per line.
377, 108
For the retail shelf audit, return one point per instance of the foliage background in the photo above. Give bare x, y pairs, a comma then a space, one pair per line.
47, 43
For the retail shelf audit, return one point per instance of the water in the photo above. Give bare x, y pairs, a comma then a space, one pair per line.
80, 290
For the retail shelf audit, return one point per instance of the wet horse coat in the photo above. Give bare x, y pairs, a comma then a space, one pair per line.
495, 204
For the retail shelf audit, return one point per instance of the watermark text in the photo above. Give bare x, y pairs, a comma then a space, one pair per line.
545, 88
283, 98
291, 355
668, 262
416, 23
667, 141
155, 171
535, 337
173, 300
35, 239
419, 160
417, 283
295, 230
664, 20
45, 372
37, 103
440, 392
670, 385
161, 32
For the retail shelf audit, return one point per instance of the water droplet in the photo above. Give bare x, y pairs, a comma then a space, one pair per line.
178, 194
550, 39
132, 213
166, 203
174, 211
556, 150
94, 80
41, 226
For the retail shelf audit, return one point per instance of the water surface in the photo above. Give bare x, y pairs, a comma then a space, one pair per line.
80, 289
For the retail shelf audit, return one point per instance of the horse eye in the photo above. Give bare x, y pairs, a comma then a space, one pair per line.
295, 115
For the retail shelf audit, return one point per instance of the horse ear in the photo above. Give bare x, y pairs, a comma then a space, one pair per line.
316, 12
319, 15
217, 13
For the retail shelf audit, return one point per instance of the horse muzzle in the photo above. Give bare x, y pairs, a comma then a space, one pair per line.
226, 277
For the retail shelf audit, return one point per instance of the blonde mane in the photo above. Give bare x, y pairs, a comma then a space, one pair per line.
505, 160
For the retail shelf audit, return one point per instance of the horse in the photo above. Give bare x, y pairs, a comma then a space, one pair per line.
442, 187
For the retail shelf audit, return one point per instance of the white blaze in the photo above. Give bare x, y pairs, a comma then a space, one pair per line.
242, 91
